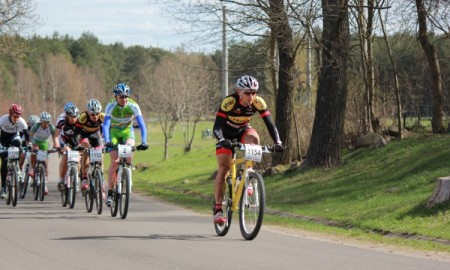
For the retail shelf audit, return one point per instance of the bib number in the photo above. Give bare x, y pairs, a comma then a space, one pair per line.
13, 153
41, 155
73, 156
124, 151
95, 155
253, 152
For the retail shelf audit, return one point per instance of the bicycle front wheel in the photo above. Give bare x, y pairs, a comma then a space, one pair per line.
251, 206
222, 229
71, 191
41, 174
126, 193
24, 185
13, 189
98, 190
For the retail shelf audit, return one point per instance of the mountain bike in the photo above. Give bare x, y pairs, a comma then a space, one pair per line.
71, 185
244, 191
122, 186
25, 179
40, 173
12, 176
94, 193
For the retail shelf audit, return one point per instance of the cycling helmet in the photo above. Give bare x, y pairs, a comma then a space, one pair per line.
15, 108
247, 83
45, 117
94, 106
33, 119
71, 110
122, 89
68, 104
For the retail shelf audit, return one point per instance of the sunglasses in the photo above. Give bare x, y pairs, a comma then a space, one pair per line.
94, 114
123, 97
15, 116
248, 93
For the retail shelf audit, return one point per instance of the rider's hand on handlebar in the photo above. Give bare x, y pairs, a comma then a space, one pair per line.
278, 148
225, 143
142, 146
109, 145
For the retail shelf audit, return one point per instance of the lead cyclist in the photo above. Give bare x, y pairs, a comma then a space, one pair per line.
118, 128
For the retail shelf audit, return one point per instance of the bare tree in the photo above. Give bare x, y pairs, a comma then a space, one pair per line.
16, 16
433, 63
327, 136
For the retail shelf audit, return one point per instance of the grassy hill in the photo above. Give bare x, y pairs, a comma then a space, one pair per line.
376, 195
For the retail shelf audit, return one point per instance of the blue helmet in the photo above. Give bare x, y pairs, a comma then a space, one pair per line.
68, 104
122, 89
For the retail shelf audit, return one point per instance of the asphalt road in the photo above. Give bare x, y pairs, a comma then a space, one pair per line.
157, 235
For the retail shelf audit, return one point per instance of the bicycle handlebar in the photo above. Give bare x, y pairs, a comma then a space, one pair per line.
241, 146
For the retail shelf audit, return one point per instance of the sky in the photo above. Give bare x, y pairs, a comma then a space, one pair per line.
131, 22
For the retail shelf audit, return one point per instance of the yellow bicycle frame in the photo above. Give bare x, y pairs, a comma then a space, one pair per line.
236, 192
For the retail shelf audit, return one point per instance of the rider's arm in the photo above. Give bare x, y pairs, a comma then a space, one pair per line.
26, 133
105, 128
54, 136
142, 127
273, 131
220, 122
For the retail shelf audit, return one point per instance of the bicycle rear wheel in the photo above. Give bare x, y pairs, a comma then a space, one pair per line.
222, 229
126, 193
71, 191
98, 190
13, 190
251, 206
26, 180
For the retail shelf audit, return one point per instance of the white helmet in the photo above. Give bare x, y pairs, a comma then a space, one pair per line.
45, 117
94, 106
247, 82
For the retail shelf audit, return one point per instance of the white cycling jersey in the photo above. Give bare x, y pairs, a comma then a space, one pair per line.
10, 129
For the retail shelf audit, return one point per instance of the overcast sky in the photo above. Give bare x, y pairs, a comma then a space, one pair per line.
132, 22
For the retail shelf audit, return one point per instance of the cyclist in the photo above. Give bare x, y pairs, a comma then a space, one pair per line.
65, 132
118, 128
88, 128
232, 122
10, 125
31, 121
40, 133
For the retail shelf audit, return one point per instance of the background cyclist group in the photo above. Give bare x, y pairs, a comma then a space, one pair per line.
91, 128
94, 128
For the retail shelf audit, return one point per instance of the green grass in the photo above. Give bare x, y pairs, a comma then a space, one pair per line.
374, 191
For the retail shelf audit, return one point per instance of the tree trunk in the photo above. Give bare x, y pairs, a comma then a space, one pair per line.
328, 127
435, 71
441, 193
285, 94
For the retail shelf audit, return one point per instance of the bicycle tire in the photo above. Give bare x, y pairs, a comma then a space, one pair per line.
26, 180
72, 191
126, 193
89, 196
14, 185
43, 182
251, 206
115, 203
64, 195
37, 190
222, 229
98, 190
8, 187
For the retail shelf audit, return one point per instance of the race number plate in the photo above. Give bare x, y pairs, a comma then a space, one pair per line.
73, 156
124, 151
13, 153
41, 155
95, 155
253, 152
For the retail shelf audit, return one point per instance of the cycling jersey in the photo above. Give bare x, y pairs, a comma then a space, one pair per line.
67, 134
233, 118
89, 130
10, 130
40, 134
120, 119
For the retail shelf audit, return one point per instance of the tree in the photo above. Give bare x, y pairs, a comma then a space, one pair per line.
15, 17
327, 135
433, 63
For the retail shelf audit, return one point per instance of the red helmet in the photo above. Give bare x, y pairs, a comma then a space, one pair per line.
15, 108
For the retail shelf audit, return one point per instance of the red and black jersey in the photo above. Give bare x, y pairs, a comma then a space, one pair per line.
233, 114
